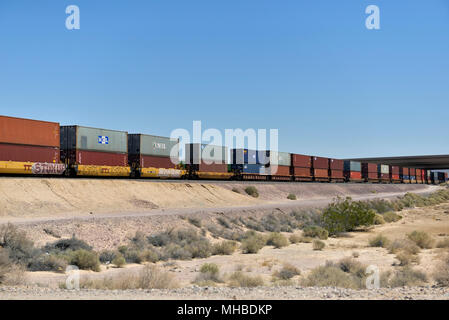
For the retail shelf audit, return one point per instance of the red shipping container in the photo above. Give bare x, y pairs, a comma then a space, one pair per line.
336, 174
335, 164
320, 173
372, 175
152, 161
405, 171
301, 172
395, 177
354, 175
384, 176
299, 160
214, 167
412, 171
423, 174
101, 158
29, 132
280, 170
22, 153
369, 167
320, 163
394, 169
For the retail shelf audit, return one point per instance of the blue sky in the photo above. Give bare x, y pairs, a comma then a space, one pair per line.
308, 68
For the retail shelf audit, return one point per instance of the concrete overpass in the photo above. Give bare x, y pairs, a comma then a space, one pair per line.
431, 162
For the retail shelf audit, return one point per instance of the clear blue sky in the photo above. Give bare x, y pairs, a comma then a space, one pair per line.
308, 68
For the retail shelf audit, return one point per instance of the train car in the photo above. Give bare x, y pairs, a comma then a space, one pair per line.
95, 152
320, 169
383, 172
207, 162
419, 176
369, 172
154, 157
29, 147
412, 175
429, 176
249, 164
395, 176
336, 170
405, 175
353, 171
279, 166
301, 167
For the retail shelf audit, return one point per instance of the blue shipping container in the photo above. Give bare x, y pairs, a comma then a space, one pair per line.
352, 166
406, 177
250, 168
245, 156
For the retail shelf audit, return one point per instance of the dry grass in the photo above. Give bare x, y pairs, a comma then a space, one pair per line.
443, 243
441, 272
318, 245
278, 240
407, 277
422, 239
406, 258
379, 241
240, 279
287, 272
404, 245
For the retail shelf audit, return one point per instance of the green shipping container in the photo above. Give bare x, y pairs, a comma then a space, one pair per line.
280, 158
152, 145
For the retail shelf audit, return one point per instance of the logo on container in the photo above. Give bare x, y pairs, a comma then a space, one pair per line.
103, 139
159, 145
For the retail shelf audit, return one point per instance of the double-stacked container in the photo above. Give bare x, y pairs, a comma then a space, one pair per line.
412, 175
395, 176
207, 161
301, 168
250, 164
336, 168
405, 175
442, 177
383, 172
353, 171
95, 152
369, 172
279, 167
320, 169
29, 147
446, 176
419, 176
153, 156
423, 176
429, 176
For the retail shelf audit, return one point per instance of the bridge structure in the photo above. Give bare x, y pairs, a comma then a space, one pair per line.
429, 162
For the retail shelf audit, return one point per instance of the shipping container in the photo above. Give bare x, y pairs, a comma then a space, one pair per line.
352, 166
143, 161
279, 170
29, 132
149, 145
353, 176
320, 163
93, 139
395, 174
441, 177
383, 169
301, 161
280, 158
246, 156
336, 175
394, 170
321, 174
405, 171
412, 172
250, 168
335, 164
205, 167
27, 153
196, 153
92, 158
300, 173
369, 167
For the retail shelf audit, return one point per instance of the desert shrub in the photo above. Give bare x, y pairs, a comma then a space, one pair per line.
294, 238
422, 239
72, 244
406, 258
252, 191
443, 243
318, 245
48, 262
224, 223
253, 242
404, 245
279, 223
407, 277
175, 251
195, 221
306, 240
307, 217
287, 272
379, 241
119, 260
85, 260
291, 196
235, 190
315, 232
20, 249
209, 275
278, 240
252, 224
391, 217
441, 272
224, 248
151, 277
106, 256
330, 275
381, 205
378, 219
346, 215
5, 264
239, 279
201, 248
349, 265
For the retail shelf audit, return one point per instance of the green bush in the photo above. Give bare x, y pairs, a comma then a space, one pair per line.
291, 196
346, 215
239, 279
72, 244
119, 261
209, 275
85, 260
252, 191
379, 241
318, 245
106, 256
224, 248
378, 219
391, 217
253, 243
422, 239
381, 205
278, 240
48, 262
315, 232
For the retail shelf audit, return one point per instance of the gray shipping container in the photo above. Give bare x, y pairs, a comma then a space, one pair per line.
196, 152
280, 158
152, 145
93, 139
352, 166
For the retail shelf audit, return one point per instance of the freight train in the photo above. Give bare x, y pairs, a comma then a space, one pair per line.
32, 147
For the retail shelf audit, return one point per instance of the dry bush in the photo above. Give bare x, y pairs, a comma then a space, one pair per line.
406, 258
404, 245
407, 277
253, 242
119, 261
318, 245
48, 262
315, 232
278, 240
239, 279
378, 219
295, 238
422, 239
391, 217
15, 276
85, 260
443, 243
441, 272
20, 249
224, 248
150, 277
305, 240
5, 264
287, 272
209, 275
379, 241
252, 191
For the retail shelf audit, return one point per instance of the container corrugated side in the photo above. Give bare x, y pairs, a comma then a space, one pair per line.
29, 132
150, 145
301, 161
279, 170
280, 158
335, 164
25, 153
248, 156
352, 166
195, 153
320, 163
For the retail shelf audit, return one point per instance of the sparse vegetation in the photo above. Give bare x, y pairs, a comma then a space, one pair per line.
253, 242
378, 219
209, 275
235, 190
406, 258
315, 232
252, 191
291, 196
278, 240
318, 245
239, 279
407, 277
405, 245
391, 217
287, 272
224, 248
441, 272
295, 238
443, 243
195, 221
119, 261
422, 239
379, 241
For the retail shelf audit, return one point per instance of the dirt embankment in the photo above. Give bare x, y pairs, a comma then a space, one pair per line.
30, 198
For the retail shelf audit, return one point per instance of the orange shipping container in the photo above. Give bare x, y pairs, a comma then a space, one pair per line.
29, 132
321, 173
